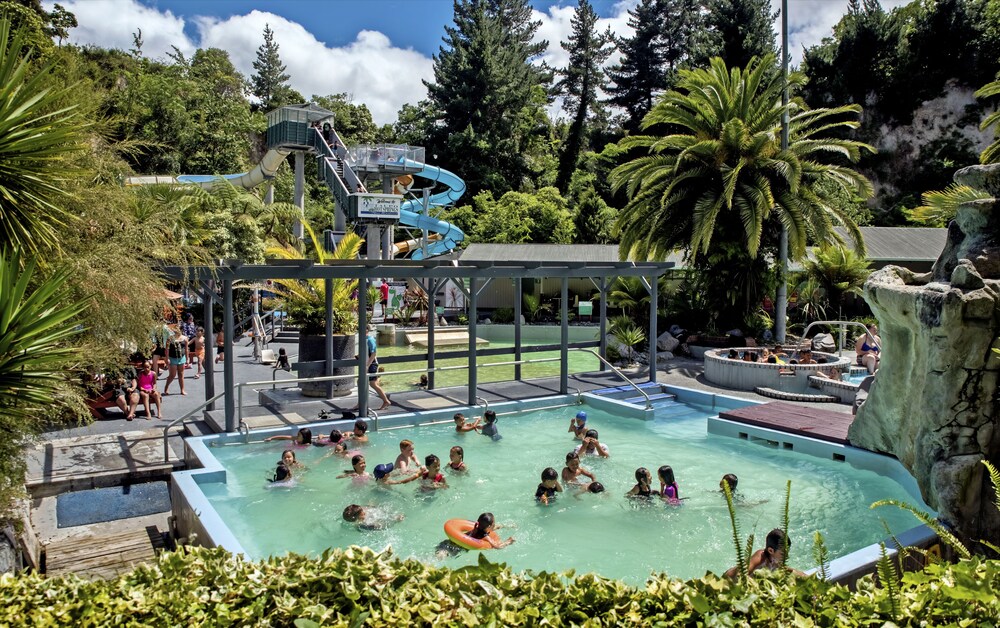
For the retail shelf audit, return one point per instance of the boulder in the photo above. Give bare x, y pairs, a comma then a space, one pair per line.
667, 342
824, 342
934, 401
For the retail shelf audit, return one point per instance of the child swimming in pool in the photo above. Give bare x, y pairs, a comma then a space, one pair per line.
484, 525
303, 437
370, 518
591, 487
360, 433
457, 459
406, 456
288, 459
771, 557
382, 478
731, 480
669, 490
546, 491
572, 471
490, 429
578, 425
358, 465
462, 426
591, 445
282, 475
642, 488
335, 442
431, 478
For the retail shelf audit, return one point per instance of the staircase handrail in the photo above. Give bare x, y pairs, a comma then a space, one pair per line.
649, 404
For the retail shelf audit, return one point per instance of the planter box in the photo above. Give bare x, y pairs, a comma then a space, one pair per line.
312, 363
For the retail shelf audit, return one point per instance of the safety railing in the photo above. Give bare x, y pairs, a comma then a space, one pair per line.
187, 415
649, 404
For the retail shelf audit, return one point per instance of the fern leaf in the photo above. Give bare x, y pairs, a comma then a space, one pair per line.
889, 579
945, 535
741, 557
784, 522
994, 479
821, 555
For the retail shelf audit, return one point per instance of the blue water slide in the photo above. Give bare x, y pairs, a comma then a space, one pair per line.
411, 213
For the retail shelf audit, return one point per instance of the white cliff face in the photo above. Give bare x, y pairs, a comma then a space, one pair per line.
935, 402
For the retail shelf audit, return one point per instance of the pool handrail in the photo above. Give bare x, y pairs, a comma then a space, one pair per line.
190, 413
649, 404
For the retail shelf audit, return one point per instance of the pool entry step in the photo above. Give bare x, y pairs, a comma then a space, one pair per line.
664, 403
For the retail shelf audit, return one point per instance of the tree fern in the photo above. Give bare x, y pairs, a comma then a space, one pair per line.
821, 555
947, 537
889, 578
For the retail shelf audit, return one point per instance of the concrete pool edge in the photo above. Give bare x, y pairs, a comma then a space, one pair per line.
197, 519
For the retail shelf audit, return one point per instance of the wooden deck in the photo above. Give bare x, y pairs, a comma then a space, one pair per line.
795, 419
103, 556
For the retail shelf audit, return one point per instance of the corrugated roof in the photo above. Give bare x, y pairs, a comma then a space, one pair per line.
591, 253
886, 244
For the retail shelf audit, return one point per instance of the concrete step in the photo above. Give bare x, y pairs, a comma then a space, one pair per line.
198, 427
789, 396
653, 397
624, 389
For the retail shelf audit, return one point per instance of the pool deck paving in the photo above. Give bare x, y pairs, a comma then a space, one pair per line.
113, 451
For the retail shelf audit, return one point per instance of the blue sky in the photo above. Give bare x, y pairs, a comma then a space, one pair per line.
376, 51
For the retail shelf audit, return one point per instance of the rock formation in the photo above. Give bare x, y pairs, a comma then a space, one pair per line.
935, 403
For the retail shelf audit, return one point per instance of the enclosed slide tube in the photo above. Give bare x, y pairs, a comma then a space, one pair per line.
263, 171
411, 213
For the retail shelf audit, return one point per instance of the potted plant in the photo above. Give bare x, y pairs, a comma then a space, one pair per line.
305, 303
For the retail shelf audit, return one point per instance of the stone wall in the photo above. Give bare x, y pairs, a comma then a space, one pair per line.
934, 402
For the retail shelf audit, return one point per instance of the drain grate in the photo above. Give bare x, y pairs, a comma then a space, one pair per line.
111, 504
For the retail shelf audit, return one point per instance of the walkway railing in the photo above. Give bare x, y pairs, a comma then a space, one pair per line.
187, 415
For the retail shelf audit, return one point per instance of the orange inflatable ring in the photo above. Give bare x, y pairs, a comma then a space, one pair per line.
458, 531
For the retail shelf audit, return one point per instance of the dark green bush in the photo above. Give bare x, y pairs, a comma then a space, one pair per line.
360, 587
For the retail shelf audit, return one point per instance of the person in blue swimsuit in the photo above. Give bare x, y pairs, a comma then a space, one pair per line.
373, 377
868, 347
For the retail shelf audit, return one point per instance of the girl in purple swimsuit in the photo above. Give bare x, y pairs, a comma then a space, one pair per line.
669, 490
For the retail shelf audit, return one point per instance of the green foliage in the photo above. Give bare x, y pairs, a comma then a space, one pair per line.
940, 206
532, 307
593, 218
353, 121
821, 556
992, 153
889, 580
835, 271
37, 138
739, 30
503, 315
518, 217
785, 527
742, 554
581, 79
37, 320
269, 83
628, 333
358, 587
487, 96
719, 167
306, 300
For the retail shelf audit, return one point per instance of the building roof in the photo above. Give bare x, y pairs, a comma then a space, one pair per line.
535, 253
889, 244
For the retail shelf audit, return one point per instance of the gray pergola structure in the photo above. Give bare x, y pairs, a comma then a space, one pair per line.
430, 275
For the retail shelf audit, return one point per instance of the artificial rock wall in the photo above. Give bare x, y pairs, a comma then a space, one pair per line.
934, 403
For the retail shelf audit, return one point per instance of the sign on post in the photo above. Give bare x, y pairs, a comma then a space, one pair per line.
377, 207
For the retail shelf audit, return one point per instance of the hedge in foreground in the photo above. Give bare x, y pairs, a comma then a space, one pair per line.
360, 587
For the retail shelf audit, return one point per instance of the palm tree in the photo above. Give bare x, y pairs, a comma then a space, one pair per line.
35, 134
838, 271
720, 167
306, 300
992, 153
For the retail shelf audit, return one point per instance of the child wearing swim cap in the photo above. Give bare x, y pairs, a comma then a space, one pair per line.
578, 425
382, 472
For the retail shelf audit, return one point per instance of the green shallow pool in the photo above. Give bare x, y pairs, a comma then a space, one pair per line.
600, 533
579, 362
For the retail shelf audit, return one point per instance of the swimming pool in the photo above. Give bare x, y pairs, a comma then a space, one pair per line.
600, 533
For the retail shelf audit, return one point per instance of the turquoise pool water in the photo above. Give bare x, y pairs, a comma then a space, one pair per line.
604, 533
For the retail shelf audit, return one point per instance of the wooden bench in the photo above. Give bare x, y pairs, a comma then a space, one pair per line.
104, 400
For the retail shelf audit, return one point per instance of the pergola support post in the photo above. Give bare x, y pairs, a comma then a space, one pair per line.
473, 324
228, 379
653, 298
564, 336
518, 297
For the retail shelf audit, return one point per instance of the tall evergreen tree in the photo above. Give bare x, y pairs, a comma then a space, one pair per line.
486, 95
740, 30
641, 74
269, 83
581, 79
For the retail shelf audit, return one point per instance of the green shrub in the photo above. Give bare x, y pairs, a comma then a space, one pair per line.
503, 315
360, 587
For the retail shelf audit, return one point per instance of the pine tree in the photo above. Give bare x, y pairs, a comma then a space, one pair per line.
486, 95
269, 83
581, 79
740, 30
641, 74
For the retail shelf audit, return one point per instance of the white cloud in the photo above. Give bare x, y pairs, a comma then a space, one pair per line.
370, 69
